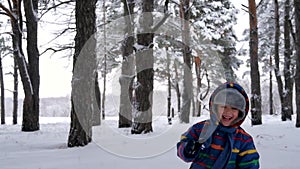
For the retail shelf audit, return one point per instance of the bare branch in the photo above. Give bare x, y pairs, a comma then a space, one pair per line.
8, 33
57, 50
55, 6
7, 11
10, 6
259, 4
4, 13
61, 33
174, 2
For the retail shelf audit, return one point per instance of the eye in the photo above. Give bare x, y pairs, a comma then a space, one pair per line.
222, 106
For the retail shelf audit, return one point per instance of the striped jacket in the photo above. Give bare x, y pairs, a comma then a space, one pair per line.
243, 154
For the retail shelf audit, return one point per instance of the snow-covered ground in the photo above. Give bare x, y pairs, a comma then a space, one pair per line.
277, 142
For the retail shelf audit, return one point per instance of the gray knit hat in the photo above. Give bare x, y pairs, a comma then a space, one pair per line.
233, 98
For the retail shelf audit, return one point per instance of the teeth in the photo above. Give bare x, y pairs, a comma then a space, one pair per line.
228, 118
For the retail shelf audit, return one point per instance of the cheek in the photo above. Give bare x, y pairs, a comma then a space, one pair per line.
220, 112
236, 114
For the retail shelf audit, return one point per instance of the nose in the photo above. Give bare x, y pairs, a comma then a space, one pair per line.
227, 109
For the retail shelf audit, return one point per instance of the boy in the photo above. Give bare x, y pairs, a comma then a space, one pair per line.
220, 143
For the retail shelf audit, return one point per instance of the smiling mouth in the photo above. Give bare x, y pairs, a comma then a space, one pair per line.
227, 118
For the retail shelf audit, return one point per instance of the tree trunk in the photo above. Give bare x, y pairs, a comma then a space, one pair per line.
198, 76
2, 93
142, 119
125, 110
29, 123
15, 14
187, 71
83, 102
104, 71
97, 112
297, 78
255, 81
271, 89
15, 92
276, 57
31, 105
226, 63
178, 94
169, 99
287, 102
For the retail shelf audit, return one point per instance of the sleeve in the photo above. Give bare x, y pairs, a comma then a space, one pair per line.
192, 134
248, 157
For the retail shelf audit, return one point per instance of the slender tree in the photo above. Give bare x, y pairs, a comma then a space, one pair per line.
270, 88
187, 75
29, 70
287, 102
31, 107
169, 86
15, 92
255, 77
125, 110
104, 71
276, 55
297, 78
198, 94
97, 112
176, 85
2, 85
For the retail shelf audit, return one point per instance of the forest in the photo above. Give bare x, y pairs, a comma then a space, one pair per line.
186, 47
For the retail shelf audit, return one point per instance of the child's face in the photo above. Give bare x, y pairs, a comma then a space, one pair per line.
227, 114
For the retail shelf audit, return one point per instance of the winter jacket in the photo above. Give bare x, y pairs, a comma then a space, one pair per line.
244, 154
228, 147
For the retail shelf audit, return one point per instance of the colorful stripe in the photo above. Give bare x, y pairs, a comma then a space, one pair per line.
217, 147
248, 152
243, 140
235, 150
243, 151
253, 162
204, 165
242, 132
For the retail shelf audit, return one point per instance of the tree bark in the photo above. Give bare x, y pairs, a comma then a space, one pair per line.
276, 56
97, 113
2, 93
176, 86
31, 103
30, 110
197, 113
287, 102
104, 71
255, 77
187, 72
271, 89
83, 102
142, 118
125, 110
297, 78
169, 99
15, 92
